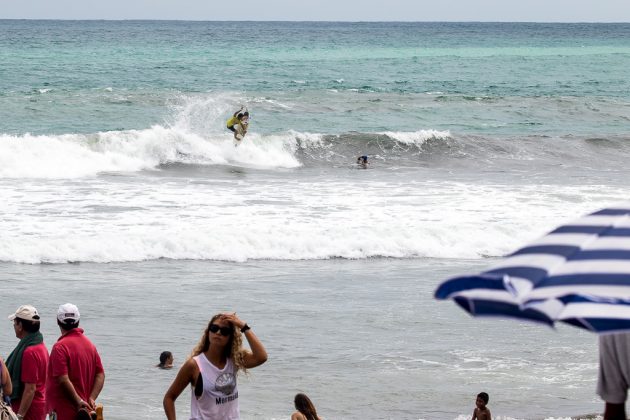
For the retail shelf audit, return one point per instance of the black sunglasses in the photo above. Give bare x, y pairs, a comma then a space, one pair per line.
225, 331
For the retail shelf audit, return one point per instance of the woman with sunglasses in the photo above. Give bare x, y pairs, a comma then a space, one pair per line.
212, 369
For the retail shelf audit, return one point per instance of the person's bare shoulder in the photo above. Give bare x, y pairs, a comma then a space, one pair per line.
484, 415
189, 370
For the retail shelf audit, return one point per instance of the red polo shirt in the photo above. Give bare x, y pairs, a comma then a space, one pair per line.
74, 355
34, 366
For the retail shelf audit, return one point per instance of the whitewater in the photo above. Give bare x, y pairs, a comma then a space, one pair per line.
171, 191
168, 192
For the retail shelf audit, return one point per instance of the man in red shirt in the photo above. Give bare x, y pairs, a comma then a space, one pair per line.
27, 365
75, 371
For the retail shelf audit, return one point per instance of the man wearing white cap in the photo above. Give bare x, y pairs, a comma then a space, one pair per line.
27, 365
75, 372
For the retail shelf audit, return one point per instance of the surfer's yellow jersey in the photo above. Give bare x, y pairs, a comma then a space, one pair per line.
232, 121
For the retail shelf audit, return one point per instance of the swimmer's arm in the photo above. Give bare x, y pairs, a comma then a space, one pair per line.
474, 416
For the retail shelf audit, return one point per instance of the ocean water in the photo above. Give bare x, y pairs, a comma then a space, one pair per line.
123, 192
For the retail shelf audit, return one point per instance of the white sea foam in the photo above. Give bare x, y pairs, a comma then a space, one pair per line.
417, 137
53, 215
111, 219
308, 139
86, 155
76, 155
65, 156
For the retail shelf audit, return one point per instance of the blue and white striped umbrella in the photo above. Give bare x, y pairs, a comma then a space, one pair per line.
578, 274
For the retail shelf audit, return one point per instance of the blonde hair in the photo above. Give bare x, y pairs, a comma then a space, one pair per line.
234, 349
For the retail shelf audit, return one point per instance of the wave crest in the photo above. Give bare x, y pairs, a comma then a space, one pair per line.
77, 155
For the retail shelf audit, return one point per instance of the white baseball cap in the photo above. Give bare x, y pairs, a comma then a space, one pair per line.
26, 312
68, 312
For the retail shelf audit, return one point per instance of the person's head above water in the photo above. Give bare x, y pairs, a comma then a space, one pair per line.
166, 360
304, 405
484, 397
362, 159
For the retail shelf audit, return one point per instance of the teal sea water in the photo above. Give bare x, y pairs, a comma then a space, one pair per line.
122, 191
503, 78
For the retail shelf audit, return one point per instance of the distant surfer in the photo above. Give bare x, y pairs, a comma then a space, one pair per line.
238, 123
363, 161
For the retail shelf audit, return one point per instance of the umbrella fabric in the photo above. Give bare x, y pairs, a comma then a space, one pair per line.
579, 274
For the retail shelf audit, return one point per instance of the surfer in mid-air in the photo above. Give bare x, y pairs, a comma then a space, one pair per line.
238, 123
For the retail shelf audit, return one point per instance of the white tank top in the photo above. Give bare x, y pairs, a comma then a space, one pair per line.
220, 396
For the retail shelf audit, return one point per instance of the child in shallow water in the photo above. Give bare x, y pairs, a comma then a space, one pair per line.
481, 411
